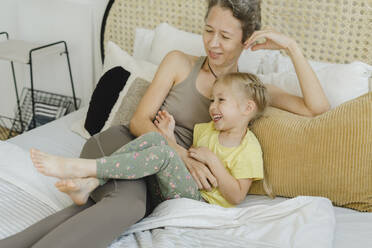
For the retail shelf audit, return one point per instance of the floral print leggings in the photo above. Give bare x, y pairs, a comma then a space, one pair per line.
147, 155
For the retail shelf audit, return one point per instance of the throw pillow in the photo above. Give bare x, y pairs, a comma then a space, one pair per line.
104, 97
115, 56
129, 104
329, 155
341, 82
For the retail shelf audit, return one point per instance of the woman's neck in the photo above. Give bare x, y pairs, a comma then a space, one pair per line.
218, 70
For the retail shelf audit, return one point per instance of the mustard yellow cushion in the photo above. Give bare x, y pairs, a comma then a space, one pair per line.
329, 155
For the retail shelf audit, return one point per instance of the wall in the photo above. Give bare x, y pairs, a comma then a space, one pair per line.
75, 21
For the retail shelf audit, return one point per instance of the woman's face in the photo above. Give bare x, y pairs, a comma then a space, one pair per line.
222, 37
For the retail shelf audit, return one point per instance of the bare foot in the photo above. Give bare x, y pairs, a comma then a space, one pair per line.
166, 124
78, 189
61, 167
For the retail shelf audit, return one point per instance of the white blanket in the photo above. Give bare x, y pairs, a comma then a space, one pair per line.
16, 167
299, 222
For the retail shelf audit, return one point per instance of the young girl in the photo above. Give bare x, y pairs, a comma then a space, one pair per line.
225, 145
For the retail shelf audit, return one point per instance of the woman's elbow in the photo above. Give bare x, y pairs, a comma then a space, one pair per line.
320, 110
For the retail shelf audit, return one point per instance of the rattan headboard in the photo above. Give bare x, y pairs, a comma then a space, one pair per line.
337, 31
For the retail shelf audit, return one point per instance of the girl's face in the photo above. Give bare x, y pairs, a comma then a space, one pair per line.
222, 37
225, 109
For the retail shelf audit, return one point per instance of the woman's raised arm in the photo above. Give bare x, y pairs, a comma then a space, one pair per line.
314, 101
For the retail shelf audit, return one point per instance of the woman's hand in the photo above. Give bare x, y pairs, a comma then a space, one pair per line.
201, 174
268, 38
314, 100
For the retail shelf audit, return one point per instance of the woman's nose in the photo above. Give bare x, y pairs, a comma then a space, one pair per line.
214, 42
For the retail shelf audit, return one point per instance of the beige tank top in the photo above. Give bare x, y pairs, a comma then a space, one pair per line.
187, 105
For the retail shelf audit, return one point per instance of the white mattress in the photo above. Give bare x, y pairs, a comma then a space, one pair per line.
353, 229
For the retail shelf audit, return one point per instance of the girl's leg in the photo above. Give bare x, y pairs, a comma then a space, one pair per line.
142, 142
158, 158
142, 157
61, 167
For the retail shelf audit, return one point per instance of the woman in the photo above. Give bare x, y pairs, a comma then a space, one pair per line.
182, 85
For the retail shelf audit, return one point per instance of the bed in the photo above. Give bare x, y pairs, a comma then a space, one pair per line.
27, 197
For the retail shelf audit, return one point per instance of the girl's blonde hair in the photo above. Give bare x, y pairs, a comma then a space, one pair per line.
253, 89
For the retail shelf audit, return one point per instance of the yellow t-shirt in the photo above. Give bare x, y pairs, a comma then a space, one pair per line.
243, 161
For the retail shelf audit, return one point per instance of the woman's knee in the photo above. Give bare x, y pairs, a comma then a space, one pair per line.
129, 196
106, 142
129, 190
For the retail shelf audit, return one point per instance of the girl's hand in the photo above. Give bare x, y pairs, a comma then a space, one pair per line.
201, 174
270, 39
202, 154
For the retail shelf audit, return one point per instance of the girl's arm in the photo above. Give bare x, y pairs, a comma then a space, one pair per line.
314, 101
232, 189
142, 121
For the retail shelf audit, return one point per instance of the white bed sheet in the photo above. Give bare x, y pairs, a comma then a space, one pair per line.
353, 229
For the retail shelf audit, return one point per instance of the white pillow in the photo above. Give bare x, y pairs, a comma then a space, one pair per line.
168, 38
115, 56
142, 43
277, 62
250, 61
341, 82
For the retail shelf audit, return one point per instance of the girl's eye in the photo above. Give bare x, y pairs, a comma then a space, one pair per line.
208, 31
221, 99
225, 37
212, 100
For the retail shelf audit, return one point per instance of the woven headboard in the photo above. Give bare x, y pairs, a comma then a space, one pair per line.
327, 30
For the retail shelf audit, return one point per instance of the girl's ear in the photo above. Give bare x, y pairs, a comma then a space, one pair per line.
250, 106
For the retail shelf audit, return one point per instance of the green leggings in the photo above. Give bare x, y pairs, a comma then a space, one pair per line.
148, 155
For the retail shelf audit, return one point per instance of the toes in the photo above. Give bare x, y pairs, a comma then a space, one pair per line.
60, 183
71, 185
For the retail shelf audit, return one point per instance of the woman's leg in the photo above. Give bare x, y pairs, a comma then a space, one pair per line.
119, 203
35, 232
123, 200
100, 224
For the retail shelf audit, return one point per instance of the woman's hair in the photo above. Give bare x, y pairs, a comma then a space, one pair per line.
251, 87
248, 12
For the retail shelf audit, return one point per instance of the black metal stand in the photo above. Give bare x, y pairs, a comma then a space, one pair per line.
31, 52
15, 87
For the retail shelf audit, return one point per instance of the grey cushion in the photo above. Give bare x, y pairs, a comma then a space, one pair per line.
130, 101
